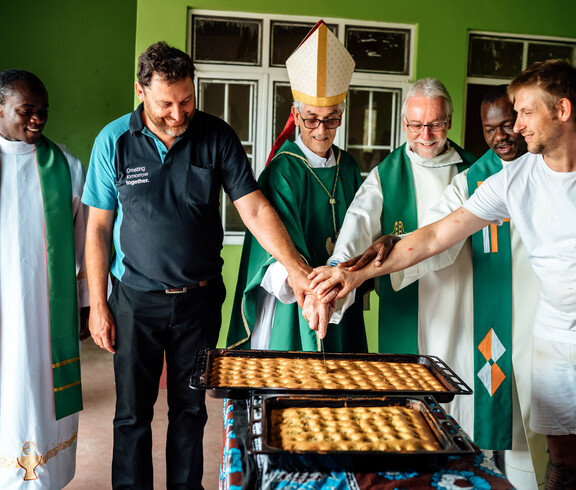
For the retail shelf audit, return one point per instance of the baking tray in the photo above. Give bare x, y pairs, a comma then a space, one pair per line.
200, 378
450, 438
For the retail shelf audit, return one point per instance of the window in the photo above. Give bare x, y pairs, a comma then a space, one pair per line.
497, 59
241, 77
226, 40
379, 50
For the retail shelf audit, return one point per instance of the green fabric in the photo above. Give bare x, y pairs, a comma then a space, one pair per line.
56, 189
303, 207
398, 310
493, 419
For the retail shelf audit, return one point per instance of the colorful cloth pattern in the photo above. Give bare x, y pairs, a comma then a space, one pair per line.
471, 472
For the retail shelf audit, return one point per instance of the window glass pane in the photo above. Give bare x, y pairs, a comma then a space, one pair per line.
378, 50
383, 106
543, 52
494, 58
282, 105
368, 158
212, 98
239, 102
285, 39
231, 102
220, 39
358, 104
370, 125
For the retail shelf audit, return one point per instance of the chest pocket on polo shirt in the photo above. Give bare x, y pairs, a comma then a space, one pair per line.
200, 185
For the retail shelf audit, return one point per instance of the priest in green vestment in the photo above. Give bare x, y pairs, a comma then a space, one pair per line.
310, 182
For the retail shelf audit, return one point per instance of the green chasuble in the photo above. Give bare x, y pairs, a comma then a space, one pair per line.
398, 310
56, 189
302, 203
492, 261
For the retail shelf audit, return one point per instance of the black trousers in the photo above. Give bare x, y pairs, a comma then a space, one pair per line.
147, 325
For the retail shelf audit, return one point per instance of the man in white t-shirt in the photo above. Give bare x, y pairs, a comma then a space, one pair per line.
538, 194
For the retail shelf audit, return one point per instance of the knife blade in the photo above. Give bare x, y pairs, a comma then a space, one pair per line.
320, 343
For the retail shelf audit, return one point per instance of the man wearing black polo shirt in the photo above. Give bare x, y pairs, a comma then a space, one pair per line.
153, 185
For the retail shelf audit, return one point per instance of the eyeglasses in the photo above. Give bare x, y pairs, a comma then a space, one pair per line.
314, 123
432, 127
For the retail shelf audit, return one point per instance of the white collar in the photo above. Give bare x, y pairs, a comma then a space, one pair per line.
15, 147
314, 160
449, 157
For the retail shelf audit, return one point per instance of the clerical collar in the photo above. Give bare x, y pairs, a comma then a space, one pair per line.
314, 160
15, 147
449, 157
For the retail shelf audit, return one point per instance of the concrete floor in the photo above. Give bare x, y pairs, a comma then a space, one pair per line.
94, 453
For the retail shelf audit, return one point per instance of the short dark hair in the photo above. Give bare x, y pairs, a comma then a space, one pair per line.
494, 94
169, 63
555, 77
9, 77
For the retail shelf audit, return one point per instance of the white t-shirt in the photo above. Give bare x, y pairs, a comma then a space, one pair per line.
542, 205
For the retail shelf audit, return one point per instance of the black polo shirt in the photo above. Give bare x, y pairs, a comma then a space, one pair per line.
167, 231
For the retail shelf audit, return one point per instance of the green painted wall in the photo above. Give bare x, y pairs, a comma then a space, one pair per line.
440, 47
84, 54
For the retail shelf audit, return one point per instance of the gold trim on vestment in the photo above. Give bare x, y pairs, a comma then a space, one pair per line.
321, 67
318, 101
71, 385
63, 363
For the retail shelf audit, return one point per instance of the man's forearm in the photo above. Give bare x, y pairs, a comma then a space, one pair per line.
429, 240
98, 242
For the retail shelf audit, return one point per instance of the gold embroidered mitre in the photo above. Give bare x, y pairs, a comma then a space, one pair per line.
320, 68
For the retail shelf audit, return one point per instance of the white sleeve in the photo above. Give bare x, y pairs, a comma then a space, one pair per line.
80, 216
275, 282
488, 201
363, 221
362, 226
453, 197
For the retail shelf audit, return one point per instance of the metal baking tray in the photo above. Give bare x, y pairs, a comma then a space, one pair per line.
451, 440
200, 378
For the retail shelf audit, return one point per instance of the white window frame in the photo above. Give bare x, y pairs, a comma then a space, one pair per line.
267, 75
512, 37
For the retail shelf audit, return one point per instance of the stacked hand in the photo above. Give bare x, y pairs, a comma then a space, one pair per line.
333, 283
378, 252
317, 313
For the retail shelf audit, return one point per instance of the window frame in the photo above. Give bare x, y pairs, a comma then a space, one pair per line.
526, 38
267, 75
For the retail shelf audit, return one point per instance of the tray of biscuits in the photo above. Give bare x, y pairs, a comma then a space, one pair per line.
241, 373
355, 431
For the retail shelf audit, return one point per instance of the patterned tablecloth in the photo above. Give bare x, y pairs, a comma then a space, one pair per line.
241, 470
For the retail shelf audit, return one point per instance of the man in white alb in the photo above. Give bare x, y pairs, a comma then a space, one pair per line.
42, 228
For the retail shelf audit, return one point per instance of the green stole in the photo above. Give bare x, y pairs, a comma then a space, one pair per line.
492, 261
56, 189
398, 310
